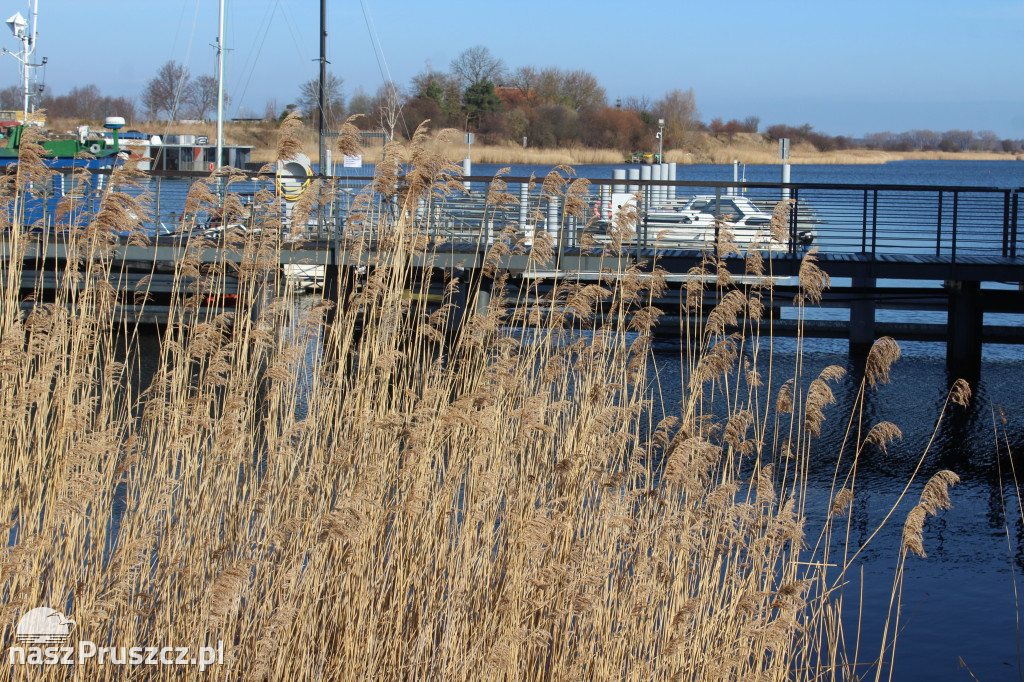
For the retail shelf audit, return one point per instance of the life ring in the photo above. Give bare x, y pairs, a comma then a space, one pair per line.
294, 181
94, 148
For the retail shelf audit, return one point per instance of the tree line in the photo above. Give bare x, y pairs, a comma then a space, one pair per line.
540, 107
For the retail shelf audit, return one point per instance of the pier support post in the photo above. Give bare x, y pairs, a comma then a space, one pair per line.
964, 327
524, 210
459, 303
862, 316
483, 295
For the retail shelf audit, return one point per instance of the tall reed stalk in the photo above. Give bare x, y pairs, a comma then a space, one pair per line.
368, 491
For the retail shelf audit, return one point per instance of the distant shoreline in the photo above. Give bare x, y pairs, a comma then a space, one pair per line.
748, 148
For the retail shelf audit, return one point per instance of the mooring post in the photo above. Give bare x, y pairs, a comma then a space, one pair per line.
483, 296
331, 290
458, 299
965, 320
862, 315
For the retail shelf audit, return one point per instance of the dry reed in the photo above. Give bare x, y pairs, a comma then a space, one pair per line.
362, 490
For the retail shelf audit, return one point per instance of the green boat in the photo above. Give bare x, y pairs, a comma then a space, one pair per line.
66, 151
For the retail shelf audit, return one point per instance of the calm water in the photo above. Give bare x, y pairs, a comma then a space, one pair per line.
959, 601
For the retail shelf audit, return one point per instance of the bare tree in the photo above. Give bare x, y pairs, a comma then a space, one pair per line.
167, 91
549, 86
271, 110
582, 92
525, 79
679, 109
387, 105
204, 96
334, 101
641, 105
11, 97
477, 64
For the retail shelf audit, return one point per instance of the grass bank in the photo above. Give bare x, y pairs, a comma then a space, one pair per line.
363, 491
747, 148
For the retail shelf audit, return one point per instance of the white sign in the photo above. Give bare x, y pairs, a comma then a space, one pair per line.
621, 201
784, 148
354, 161
42, 635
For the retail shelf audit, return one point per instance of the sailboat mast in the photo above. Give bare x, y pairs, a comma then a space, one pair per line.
323, 79
220, 87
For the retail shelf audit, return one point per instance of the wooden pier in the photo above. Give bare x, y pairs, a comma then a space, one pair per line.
953, 249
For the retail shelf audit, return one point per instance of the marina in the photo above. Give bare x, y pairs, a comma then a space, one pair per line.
906, 247
375, 418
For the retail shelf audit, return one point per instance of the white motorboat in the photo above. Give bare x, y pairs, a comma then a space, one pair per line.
692, 224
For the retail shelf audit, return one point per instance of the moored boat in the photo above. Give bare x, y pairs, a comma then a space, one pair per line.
69, 150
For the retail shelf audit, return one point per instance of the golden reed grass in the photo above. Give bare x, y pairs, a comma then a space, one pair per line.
364, 491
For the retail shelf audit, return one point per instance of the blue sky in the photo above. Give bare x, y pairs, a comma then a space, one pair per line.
847, 68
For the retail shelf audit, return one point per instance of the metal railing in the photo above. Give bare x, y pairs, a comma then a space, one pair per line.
944, 222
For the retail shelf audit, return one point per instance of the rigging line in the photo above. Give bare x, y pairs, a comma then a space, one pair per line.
298, 46
378, 52
174, 48
291, 31
246, 68
181, 81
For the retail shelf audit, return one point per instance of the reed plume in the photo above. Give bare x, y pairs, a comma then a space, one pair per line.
369, 488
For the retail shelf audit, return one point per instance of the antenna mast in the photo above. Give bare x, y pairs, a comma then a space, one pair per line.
20, 28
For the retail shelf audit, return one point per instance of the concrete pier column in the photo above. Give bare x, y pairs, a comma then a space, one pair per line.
634, 174
483, 298
672, 191
524, 206
862, 316
645, 174
964, 327
617, 174
656, 198
553, 224
458, 300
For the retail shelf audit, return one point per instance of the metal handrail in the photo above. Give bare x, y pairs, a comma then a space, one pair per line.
874, 220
